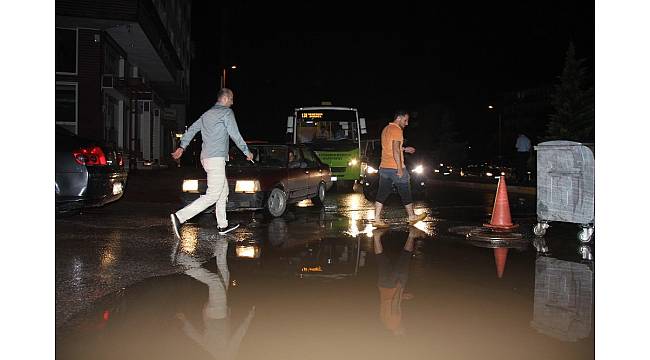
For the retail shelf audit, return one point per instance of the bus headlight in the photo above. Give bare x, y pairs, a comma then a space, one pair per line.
190, 186
247, 186
353, 162
418, 169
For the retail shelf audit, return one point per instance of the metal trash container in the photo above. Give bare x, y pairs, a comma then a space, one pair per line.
565, 186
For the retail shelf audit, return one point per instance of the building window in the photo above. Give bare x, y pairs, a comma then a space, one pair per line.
66, 51
66, 105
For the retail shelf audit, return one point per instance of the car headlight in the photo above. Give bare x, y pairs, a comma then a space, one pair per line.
418, 169
353, 162
190, 186
247, 186
371, 170
488, 174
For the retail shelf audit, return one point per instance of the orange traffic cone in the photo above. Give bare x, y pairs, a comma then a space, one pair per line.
500, 255
501, 211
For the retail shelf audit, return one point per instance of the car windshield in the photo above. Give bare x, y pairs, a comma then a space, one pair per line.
263, 155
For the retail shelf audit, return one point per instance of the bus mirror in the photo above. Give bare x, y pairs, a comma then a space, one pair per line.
290, 124
362, 125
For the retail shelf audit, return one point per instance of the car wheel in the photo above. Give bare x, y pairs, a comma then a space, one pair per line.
276, 202
319, 199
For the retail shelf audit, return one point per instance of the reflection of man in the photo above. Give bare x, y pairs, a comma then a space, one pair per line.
216, 338
392, 279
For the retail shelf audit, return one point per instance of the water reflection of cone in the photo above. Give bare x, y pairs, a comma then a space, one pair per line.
501, 219
500, 256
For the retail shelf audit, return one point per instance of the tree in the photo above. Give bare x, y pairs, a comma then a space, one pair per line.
573, 103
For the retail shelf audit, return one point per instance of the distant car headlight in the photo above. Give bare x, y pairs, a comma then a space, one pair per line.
247, 186
437, 170
418, 169
488, 174
190, 186
353, 162
371, 170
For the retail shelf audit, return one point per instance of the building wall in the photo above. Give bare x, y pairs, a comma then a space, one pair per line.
90, 96
103, 113
88, 77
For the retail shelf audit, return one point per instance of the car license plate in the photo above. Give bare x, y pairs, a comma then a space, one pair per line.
334, 178
117, 188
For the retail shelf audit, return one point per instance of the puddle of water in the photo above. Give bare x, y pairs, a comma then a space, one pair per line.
403, 292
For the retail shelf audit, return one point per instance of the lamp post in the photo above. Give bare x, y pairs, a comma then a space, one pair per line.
223, 76
499, 134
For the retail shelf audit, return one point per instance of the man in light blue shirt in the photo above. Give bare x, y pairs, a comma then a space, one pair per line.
523, 153
217, 126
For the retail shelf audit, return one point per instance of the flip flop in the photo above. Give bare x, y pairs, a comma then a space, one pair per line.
417, 219
381, 225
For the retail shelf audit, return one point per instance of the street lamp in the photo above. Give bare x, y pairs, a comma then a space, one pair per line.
499, 118
223, 76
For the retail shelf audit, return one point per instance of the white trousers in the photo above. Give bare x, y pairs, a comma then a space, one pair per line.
217, 193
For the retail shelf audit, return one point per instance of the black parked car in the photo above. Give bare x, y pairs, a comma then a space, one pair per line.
88, 173
419, 165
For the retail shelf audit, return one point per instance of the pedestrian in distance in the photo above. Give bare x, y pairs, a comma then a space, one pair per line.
523, 153
393, 171
217, 126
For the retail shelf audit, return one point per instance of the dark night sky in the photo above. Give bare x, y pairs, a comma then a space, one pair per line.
381, 58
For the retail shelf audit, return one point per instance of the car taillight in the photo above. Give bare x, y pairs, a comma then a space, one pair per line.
89, 156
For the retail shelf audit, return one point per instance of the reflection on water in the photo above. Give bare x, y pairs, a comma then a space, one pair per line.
563, 299
392, 273
189, 238
215, 334
316, 291
111, 251
333, 258
248, 250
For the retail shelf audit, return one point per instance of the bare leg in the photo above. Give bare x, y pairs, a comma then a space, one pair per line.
410, 242
377, 242
378, 208
379, 223
409, 210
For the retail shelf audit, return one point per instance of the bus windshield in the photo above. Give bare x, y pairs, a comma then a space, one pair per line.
327, 126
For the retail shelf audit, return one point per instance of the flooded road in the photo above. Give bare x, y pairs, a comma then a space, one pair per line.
323, 284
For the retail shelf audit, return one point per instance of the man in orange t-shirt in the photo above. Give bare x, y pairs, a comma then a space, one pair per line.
392, 170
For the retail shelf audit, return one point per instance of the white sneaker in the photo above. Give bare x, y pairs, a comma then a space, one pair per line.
227, 229
175, 225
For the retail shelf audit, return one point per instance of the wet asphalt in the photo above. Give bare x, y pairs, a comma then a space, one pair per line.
319, 283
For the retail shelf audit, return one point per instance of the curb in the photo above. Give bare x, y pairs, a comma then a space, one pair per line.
483, 186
